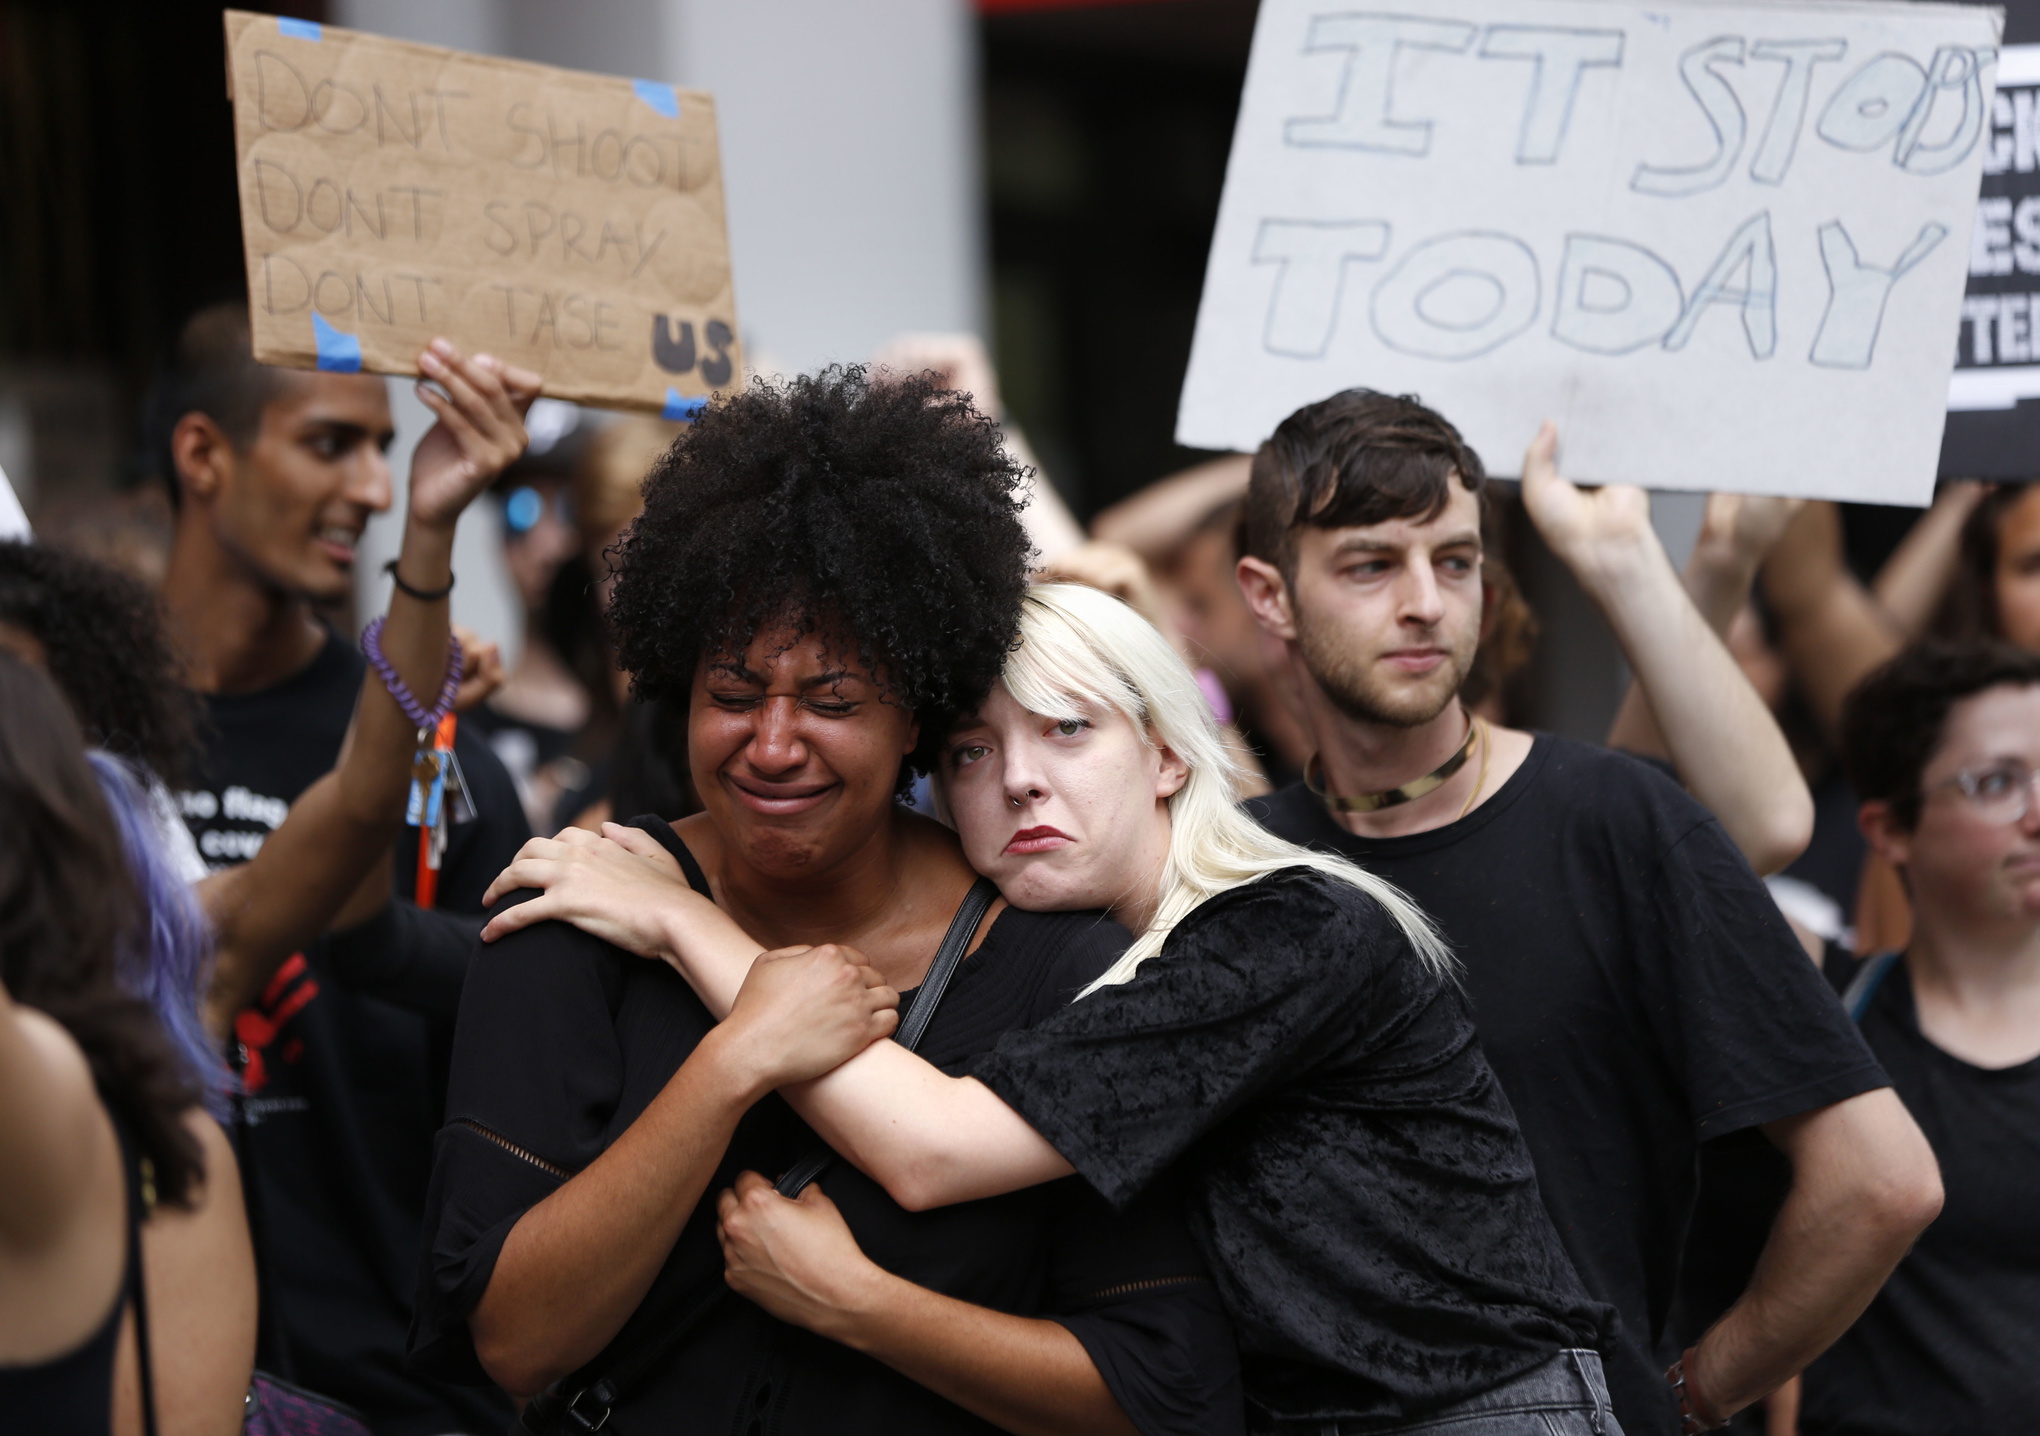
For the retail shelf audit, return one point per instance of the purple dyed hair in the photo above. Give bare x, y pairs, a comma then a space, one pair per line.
168, 966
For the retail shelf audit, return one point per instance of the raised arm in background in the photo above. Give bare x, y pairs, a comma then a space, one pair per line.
961, 363
1719, 735
1736, 533
1914, 580
1830, 628
1155, 521
269, 907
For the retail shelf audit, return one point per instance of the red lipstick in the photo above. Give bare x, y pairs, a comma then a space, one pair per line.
1038, 840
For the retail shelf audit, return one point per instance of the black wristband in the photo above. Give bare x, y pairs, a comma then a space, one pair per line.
423, 595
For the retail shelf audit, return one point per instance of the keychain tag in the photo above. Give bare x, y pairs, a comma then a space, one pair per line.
460, 803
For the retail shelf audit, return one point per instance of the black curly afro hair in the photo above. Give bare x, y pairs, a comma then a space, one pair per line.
885, 514
106, 647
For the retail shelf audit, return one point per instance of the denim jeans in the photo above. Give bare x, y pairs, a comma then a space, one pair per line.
1566, 1396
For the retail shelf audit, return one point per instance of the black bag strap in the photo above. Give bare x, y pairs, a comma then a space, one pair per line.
141, 1199
556, 1413
962, 928
672, 842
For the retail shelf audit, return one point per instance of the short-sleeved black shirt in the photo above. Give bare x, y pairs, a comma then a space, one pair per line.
1637, 992
1354, 1173
564, 1040
1952, 1343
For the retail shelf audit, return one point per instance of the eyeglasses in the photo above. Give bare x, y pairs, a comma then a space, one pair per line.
2003, 792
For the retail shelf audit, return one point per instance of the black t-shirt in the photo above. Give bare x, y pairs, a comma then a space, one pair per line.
1951, 1345
345, 1059
563, 1042
1353, 1173
1637, 992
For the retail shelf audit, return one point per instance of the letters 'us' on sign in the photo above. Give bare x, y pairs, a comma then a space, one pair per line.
1724, 246
567, 222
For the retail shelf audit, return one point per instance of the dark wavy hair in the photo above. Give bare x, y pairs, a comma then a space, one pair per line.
1893, 720
886, 515
68, 908
1360, 457
1969, 609
106, 646
209, 368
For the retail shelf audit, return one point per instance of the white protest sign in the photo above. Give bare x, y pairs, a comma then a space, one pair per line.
1723, 246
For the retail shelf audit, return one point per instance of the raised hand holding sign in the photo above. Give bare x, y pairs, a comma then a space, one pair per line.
571, 224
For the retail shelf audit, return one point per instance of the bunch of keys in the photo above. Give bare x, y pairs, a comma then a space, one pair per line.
439, 791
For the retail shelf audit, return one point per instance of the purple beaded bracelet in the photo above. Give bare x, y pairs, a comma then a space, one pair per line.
371, 645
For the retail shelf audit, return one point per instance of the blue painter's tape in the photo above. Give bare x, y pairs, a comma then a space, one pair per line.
300, 29
680, 407
339, 353
662, 98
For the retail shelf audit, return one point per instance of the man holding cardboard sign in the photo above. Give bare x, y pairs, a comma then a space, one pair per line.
1723, 246
570, 223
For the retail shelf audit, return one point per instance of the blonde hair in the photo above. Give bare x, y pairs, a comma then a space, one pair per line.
1078, 644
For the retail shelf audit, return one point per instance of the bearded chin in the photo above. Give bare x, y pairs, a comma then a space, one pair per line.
1359, 695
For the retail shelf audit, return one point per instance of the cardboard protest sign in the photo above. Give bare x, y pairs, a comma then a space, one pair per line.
1722, 245
1994, 397
567, 222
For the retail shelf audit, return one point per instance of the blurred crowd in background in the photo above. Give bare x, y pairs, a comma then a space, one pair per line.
1104, 136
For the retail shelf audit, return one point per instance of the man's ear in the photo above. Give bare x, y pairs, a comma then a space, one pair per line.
913, 736
1881, 830
202, 454
1267, 594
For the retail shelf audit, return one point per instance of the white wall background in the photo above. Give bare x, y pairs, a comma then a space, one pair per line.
849, 142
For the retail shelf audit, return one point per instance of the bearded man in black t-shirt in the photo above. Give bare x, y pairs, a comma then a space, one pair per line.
343, 1053
1635, 988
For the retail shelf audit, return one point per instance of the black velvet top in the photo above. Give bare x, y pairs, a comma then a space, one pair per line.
563, 1040
1355, 1176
